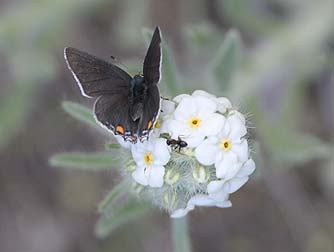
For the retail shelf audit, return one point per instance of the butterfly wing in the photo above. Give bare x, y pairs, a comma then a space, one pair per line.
94, 76
152, 61
112, 112
150, 112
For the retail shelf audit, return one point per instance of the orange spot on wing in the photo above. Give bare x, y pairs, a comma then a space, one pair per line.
149, 124
120, 129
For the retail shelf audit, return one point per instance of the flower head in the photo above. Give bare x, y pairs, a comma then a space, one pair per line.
150, 157
194, 119
226, 147
212, 164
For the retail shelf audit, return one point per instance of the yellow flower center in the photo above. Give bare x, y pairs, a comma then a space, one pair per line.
225, 144
148, 158
194, 122
157, 124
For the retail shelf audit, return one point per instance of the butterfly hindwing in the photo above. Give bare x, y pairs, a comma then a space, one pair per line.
152, 61
112, 112
94, 76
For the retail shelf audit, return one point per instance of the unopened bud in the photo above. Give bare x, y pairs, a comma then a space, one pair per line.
169, 200
172, 176
200, 174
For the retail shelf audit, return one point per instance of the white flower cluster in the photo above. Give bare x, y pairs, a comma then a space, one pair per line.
212, 163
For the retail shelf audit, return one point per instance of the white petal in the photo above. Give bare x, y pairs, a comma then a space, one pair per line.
216, 191
138, 151
185, 110
207, 201
167, 107
213, 124
241, 150
224, 204
206, 153
204, 106
181, 212
236, 183
226, 130
247, 169
201, 200
165, 126
156, 176
228, 167
122, 142
223, 104
180, 97
203, 94
160, 151
194, 140
215, 186
238, 129
177, 128
239, 115
139, 176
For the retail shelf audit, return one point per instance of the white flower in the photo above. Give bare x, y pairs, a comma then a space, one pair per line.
200, 200
218, 189
150, 157
222, 102
162, 123
225, 148
195, 118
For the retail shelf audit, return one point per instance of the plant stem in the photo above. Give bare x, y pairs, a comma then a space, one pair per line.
180, 235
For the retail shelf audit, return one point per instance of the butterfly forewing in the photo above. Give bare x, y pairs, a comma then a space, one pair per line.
94, 76
152, 62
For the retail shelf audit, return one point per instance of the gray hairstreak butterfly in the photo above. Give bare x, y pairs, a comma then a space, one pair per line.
127, 106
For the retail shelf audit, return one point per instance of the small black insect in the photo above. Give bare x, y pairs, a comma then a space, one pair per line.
177, 144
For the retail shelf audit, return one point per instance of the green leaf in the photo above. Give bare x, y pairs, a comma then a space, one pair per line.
128, 212
168, 67
111, 146
113, 195
226, 62
80, 113
203, 37
249, 16
290, 146
84, 161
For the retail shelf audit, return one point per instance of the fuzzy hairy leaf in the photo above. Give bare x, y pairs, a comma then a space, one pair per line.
84, 161
81, 113
128, 212
225, 63
290, 146
111, 146
112, 196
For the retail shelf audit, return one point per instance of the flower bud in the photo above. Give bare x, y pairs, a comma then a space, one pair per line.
189, 152
200, 174
169, 200
137, 188
172, 176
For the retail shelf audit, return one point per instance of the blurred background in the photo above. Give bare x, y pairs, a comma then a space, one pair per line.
280, 73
